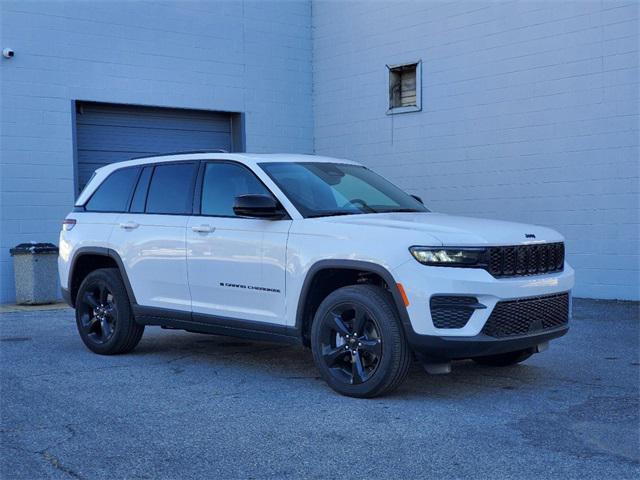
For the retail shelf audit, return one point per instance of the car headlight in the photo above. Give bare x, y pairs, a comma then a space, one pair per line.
448, 256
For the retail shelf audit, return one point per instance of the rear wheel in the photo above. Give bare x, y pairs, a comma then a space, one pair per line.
358, 343
504, 359
103, 314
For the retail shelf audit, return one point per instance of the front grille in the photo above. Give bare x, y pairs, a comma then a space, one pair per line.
522, 260
527, 315
451, 311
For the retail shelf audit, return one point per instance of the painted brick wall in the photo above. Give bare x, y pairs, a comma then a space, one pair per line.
252, 57
530, 109
530, 113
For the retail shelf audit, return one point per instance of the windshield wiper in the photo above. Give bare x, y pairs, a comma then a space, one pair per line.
400, 210
332, 213
367, 208
335, 213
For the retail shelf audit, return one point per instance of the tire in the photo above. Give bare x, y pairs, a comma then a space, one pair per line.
362, 364
504, 359
103, 314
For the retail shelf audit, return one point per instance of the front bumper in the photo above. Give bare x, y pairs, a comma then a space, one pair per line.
442, 348
421, 283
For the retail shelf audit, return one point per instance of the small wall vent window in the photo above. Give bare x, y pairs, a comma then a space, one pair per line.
404, 88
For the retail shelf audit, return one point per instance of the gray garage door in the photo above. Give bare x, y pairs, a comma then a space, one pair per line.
107, 133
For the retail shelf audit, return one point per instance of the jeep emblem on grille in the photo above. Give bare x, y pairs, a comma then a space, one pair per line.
529, 235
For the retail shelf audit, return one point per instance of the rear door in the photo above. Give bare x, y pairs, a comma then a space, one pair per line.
102, 210
150, 238
236, 265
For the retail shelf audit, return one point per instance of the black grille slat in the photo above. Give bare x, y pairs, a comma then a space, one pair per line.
543, 265
497, 259
522, 260
451, 311
560, 256
526, 316
509, 261
551, 262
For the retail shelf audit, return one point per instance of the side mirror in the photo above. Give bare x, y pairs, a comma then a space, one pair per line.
257, 206
418, 198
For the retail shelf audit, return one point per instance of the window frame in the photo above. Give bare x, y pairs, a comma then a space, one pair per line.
146, 189
412, 108
127, 203
199, 186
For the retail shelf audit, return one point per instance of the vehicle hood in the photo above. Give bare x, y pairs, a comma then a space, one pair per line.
452, 230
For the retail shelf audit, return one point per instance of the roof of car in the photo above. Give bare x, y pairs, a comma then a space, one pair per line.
247, 158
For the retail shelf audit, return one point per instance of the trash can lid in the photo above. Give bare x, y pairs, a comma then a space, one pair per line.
33, 248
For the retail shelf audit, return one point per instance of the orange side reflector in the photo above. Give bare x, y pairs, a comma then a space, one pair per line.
403, 294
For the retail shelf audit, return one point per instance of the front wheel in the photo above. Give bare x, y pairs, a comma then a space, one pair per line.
103, 314
358, 343
504, 359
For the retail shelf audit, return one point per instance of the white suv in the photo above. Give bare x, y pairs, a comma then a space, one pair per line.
312, 250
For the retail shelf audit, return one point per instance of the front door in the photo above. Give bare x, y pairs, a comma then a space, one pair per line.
236, 265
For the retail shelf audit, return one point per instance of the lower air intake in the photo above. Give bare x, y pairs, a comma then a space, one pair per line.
451, 311
527, 315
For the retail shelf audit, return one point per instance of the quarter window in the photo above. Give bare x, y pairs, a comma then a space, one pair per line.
114, 193
171, 188
222, 183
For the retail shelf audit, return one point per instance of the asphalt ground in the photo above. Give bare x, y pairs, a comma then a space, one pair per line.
185, 406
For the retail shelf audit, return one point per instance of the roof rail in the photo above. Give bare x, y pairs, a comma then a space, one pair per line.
212, 150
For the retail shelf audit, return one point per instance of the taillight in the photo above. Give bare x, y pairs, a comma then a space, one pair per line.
68, 224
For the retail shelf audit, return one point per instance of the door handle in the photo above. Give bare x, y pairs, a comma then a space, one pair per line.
203, 228
129, 225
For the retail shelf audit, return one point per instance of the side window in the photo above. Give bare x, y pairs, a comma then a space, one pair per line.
114, 193
222, 183
140, 195
171, 189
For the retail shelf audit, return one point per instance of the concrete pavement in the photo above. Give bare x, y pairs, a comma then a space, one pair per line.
195, 406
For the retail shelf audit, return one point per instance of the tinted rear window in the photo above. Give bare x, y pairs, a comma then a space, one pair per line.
171, 189
114, 193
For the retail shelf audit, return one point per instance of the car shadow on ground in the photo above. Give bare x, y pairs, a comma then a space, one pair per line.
182, 351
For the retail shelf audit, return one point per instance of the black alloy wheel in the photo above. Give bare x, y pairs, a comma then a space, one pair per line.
103, 314
98, 315
358, 342
351, 343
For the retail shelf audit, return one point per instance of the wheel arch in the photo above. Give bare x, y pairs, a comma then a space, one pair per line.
358, 271
89, 259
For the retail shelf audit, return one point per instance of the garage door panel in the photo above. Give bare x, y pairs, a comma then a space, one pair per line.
105, 138
97, 108
108, 133
218, 122
97, 159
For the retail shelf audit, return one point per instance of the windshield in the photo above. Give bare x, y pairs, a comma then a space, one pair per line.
323, 189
